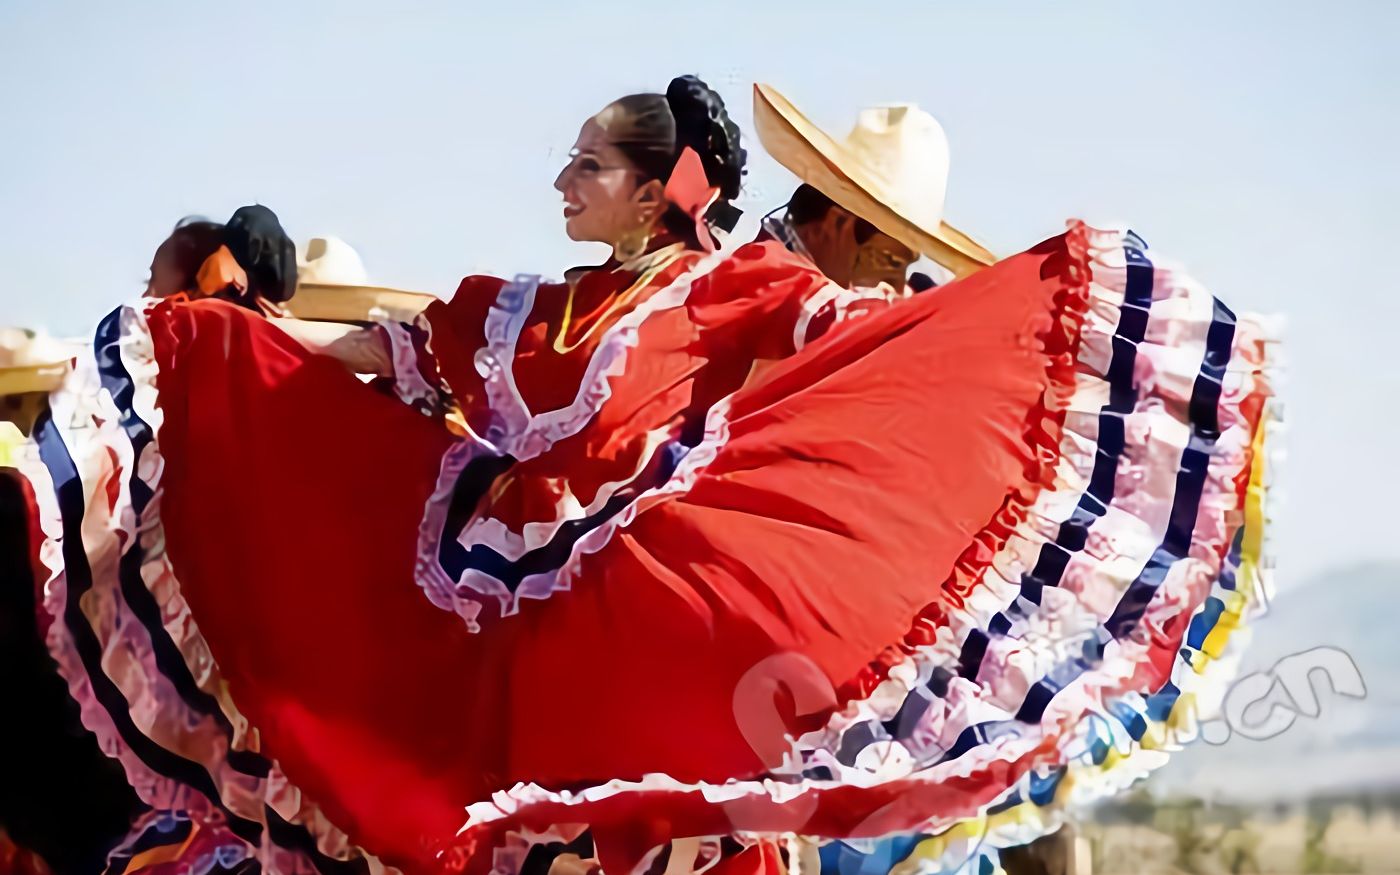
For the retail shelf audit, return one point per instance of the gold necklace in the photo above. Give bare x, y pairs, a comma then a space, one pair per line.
660, 264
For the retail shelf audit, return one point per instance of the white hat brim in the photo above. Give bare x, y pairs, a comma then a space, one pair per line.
24, 379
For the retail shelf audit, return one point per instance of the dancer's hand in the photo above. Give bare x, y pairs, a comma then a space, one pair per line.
362, 350
573, 864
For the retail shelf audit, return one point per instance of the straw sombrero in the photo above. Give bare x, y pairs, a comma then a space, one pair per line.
891, 171
32, 362
332, 286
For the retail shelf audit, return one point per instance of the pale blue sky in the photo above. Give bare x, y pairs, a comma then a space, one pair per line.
1256, 141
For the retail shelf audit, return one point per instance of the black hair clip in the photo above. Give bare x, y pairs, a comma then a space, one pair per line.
723, 215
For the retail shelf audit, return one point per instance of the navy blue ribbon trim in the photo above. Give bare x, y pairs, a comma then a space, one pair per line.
476, 480
1190, 485
1122, 399
169, 661
68, 490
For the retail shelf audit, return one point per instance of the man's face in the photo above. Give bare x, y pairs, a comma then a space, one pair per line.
882, 259
851, 253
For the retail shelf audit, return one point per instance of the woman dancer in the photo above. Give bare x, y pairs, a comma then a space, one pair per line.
250, 261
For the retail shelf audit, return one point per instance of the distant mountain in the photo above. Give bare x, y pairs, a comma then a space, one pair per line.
1354, 744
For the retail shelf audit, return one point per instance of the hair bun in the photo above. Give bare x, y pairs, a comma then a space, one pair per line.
703, 124
264, 251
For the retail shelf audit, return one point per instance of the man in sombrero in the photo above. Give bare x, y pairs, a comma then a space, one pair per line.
867, 208
870, 205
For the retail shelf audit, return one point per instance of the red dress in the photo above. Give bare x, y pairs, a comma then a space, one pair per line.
689, 570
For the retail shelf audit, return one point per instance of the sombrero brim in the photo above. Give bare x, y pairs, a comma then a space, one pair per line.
821, 162
24, 379
315, 301
326, 302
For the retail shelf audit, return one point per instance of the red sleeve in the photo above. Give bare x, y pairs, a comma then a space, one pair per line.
435, 353
769, 303
753, 301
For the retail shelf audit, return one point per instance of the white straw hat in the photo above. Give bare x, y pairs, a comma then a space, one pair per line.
333, 286
892, 171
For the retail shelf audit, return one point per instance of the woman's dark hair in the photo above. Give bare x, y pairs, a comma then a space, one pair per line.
193, 240
653, 129
257, 242
264, 251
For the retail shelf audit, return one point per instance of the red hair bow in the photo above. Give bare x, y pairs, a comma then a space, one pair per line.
689, 189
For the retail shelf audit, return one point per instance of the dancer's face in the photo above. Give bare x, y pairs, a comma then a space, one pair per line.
167, 277
882, 259
854, 254
605, 198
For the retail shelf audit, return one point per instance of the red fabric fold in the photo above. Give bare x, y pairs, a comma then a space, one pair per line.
837, 517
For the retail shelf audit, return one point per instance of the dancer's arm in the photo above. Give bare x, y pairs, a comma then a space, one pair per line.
362, 350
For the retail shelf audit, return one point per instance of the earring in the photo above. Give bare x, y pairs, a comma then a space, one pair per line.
633, 244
